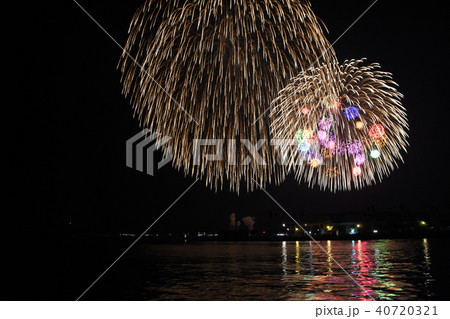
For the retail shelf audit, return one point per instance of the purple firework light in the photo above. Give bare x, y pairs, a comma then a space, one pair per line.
325, 123
325, 137
322, 136
359, 159
354, 147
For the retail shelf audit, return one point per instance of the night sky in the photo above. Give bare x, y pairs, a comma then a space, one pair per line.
82, 122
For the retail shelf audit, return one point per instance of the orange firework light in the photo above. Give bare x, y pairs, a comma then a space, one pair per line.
315, 162
376, 131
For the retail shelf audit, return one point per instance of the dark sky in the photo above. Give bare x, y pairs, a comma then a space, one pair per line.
83, 122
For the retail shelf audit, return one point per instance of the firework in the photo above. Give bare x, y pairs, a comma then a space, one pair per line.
209, 70
362, 117
375, 153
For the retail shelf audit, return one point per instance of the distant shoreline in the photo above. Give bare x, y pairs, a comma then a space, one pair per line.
176, 239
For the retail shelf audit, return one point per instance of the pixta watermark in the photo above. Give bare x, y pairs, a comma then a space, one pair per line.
140, 150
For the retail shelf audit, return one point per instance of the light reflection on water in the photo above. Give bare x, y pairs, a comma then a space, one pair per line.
387, 269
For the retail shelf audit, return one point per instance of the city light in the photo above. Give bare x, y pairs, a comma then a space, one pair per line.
375, 231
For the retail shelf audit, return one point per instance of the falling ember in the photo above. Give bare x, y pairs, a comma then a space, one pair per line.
332, 172
327, 152
315, 162
210, 69
356, 171
346, 146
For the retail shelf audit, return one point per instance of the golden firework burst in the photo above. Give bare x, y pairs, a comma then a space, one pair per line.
208, 69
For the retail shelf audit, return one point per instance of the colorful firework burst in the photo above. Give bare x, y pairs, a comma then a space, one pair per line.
362, 114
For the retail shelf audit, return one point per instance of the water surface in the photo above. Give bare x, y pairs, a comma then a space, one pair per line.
384, 269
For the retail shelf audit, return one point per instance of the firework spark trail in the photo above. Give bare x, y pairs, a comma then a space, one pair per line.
224, 62
348, 137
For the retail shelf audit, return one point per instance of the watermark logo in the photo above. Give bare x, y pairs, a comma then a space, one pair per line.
140, 151
141, 147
